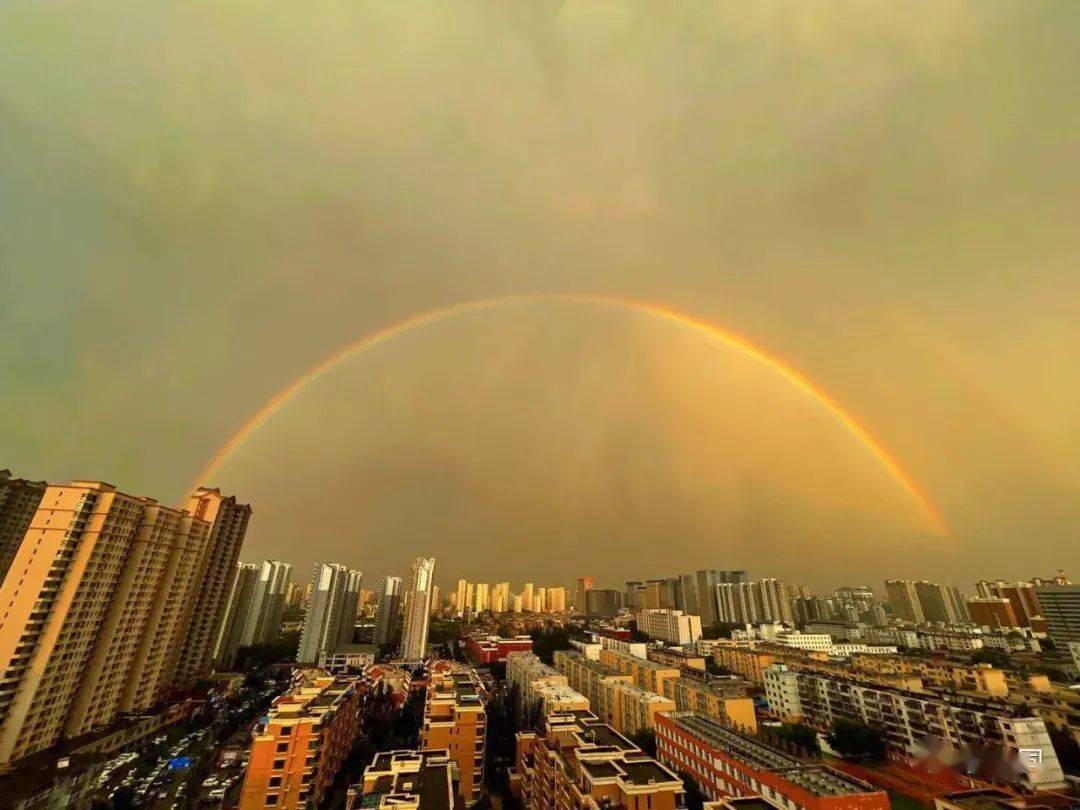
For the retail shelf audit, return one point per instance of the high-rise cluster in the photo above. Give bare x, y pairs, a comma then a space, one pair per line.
474, 598
111, 600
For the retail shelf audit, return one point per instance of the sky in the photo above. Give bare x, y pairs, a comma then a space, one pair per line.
201, 201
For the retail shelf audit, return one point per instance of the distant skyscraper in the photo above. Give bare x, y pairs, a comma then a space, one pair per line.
417, 609
527, 597
435, 600
601, 602
941, 603
386, 623
1021, 596
262, 624
688, 590
556, 599
229, 522
19, 501
481, 597
111, 575
331, 615
584, 585
232, 629
460, 599
904, 599
707, 580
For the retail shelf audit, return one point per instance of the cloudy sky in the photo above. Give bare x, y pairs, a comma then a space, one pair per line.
199, 201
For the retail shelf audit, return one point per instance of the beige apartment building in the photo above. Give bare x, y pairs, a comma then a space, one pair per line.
19, 501
94, 613
54, 602
228, 520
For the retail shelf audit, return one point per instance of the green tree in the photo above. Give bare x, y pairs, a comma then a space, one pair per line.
695, 797
989, 655
645, 739
851, 738
800, 735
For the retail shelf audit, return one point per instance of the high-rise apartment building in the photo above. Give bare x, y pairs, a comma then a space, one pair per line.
601, 603
904, 599
1021, 595
941, 603
455, 721
387, 620
763, 600
584, 585
97, 603
688, 594
460, 598
228, 520
19, 501
707, 580
556, 599
1061, 610
331, 615
262, 624
481, 597
232, 628
527, 597
417, 609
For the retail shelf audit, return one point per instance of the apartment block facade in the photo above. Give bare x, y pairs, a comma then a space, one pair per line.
910, 719
97, 609
578, 761
455, 721
298, 748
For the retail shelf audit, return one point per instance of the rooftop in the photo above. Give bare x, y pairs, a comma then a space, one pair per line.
820, 780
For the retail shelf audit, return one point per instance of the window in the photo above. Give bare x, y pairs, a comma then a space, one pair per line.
278, 764
282, 747
275, 781
271, 801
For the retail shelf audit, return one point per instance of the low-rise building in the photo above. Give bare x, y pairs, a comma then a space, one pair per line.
484, 649
722, 700
725, 763
578, 761
406, 780
348, 658
914, 721
612, 695
645, 674
677, 657
670, 626
539, 686
298, 747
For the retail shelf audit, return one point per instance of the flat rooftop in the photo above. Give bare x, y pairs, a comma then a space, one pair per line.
820, 780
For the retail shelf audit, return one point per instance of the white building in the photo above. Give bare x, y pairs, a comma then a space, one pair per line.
417, 609
671, 626
957, 721
331, 614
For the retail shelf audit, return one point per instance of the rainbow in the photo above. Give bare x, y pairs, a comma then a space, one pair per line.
702, 327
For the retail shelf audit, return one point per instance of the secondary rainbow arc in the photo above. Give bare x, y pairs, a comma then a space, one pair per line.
705, 328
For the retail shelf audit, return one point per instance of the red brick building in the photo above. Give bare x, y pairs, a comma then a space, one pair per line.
493, 649
725, 763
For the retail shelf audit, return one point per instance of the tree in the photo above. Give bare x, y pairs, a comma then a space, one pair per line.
695, 797
992, 656
856, 740
546, 642
713, 667
801, 736
645, 739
